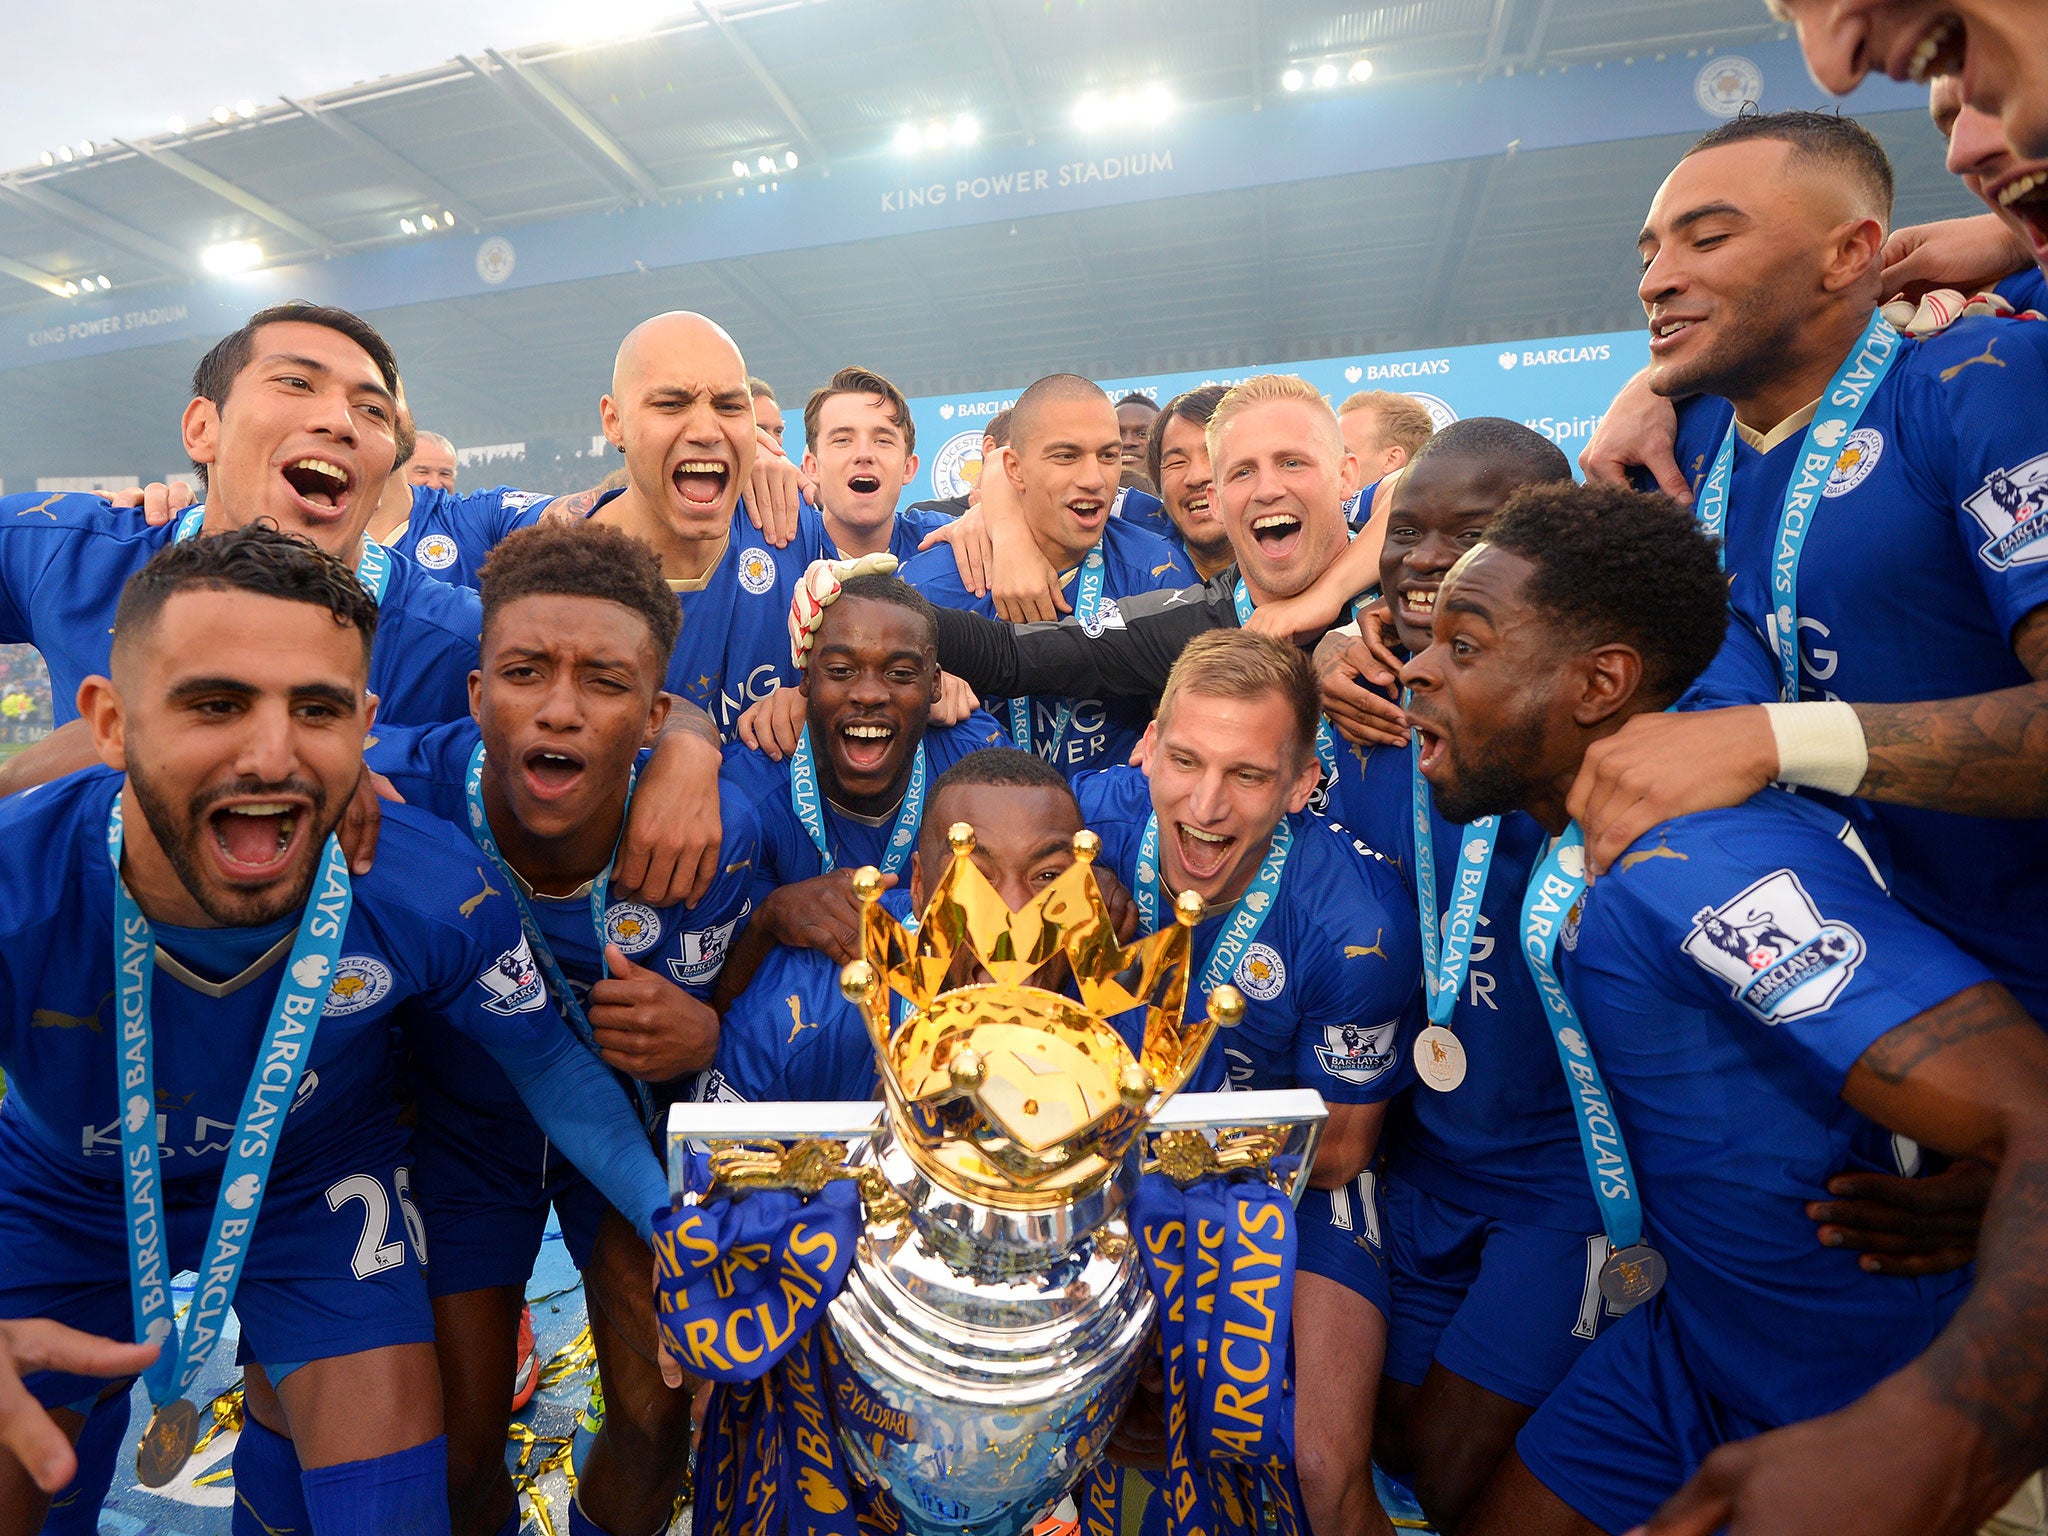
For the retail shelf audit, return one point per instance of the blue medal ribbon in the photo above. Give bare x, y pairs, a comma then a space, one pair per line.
1554, 890
259, 1128
544, 957
1246, 918
1848, 394
1443, 973
1087, 609
373, 565
810, 808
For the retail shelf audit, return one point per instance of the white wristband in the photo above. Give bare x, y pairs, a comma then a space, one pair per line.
1820, 745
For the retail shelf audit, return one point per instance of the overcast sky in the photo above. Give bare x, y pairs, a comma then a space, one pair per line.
123, 68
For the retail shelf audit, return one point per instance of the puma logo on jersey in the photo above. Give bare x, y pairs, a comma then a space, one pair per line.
43, 507
796, 1020
1161, 570
468, 908
1662, 851
1360, 951
50, 1018
1982, 357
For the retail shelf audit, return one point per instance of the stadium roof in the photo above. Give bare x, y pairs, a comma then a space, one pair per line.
1414, 241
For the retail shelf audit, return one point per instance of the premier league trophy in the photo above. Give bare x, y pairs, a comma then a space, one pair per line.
994, 1307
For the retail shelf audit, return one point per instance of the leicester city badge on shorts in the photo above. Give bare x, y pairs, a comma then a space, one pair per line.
1779, 956
2012, 507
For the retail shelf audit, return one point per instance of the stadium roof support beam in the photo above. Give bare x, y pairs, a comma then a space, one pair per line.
1006, 69
751, 62
1463, 217
241, 197
1497, 36
388, 159
555, 110
34, 276
1538, 31
101, 227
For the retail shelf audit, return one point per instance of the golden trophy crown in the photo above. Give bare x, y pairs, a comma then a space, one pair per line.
1008, 1092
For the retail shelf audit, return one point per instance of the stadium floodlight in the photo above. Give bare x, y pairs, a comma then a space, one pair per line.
48, 158
102, 281
765, 165
1325, 75
85, 146
407, 226
70, 289
177, 124
223, 115
739, 169
227, 257
447, 219
908, 139
1360, 72
935, 136
789, 159
245, 108
1091, 112
64, 153
1292, 80
1154, 103
966, 128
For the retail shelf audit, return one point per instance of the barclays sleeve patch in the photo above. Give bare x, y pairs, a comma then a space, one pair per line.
1358, 1053
513, 982
2012, 507
1781, 959
701, 953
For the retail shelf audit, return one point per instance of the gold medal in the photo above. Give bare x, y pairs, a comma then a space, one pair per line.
1439, 1058
167, 1443
1631, 1276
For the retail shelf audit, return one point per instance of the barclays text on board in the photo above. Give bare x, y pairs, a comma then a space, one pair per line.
1559, 386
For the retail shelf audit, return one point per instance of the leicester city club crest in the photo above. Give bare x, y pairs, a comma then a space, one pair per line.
633, 927
359, 982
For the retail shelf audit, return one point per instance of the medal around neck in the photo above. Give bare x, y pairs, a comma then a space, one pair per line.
992, 1322
167, 1442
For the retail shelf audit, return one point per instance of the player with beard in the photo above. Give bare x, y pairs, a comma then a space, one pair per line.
194, 986
1910, 495
1282, 475
791, 1033
1061, 468
1741, 1009
854, 789
1320, 938
578, 624
1177, 459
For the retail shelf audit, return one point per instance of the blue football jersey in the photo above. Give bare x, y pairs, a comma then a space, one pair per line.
64, 559
1099, 733
1331, 981
1927, 545
450, 532
905, 535
425, 939
734, 648
2025, 290
1727, 980
787, 853
1141, 509
1504, 1142
792, 1034
685, 944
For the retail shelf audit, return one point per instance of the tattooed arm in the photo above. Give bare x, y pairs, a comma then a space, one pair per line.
1938, 1446
1983, 755
1986, 755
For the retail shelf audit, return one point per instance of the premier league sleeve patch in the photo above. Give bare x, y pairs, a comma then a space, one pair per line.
1358, 1053
703, 952
2012, 506
1781, 959
513, 982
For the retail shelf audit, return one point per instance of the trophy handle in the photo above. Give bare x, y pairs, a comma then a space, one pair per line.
1274, 1129
692, 1126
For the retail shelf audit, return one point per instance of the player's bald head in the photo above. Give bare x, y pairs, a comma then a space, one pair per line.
680, 336
1027, 415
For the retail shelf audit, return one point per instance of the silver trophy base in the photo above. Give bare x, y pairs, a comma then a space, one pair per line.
979, 1393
